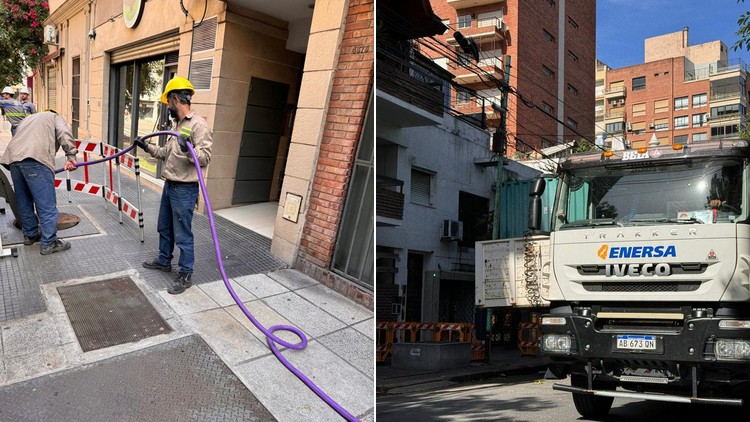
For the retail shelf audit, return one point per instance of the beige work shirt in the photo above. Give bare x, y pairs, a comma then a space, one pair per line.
178, 165
39, 136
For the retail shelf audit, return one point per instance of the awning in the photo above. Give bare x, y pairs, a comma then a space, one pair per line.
53, 55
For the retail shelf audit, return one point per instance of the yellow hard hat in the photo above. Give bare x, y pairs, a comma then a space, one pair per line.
176, 83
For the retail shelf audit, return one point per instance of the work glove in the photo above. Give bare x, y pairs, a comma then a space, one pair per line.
140, 143
186, 135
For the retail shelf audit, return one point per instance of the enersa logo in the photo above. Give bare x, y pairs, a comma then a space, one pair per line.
647, 251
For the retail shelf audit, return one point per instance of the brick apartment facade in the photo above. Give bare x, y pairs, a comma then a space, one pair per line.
348, 107
550, 46
681, 94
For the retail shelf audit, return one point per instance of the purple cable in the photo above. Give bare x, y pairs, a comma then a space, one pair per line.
271, 339
112, 157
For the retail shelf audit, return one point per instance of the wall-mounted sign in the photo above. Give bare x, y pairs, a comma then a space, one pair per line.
132, 10
292, 207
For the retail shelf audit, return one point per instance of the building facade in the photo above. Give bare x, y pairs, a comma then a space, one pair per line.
548, 46
681, 94
435, 177
284, 85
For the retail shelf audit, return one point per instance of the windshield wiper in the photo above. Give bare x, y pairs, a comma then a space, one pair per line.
691, 220
595, 222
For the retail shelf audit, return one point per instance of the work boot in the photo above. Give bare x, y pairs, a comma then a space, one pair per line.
28, 241
59, 246
154, 265
180, 283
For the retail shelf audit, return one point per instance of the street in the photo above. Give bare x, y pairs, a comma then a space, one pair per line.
527, 398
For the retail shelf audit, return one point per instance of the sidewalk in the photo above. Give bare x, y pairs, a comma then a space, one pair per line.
197, 357
504, 362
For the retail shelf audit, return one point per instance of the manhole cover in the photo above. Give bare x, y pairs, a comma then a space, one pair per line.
64, 221
110, 312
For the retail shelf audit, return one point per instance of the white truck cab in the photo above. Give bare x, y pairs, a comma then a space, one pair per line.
649, 275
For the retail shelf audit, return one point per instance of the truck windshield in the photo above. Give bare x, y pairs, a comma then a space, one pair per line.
692, 192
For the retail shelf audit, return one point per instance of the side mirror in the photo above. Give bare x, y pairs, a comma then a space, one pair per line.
537, 189
535, 204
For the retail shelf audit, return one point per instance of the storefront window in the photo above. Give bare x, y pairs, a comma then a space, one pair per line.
138, 114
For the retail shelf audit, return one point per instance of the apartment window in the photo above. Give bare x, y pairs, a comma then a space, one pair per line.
572, 23
573, 90
681, 103
463, 97
699, 120
697, 137
727, 110
421, 187
639, 83
547, 71
572, 56
464, 21
699, 100
551, 2
616, 127
548, 108
548, 36
680, 139
661, 106
681, 122
638, 128
723, 131
572, 123
661, 124
639, 109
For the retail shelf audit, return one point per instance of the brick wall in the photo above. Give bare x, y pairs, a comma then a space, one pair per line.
352, 83
664, 81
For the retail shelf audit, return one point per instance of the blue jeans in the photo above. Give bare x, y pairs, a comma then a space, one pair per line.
34, 185
175, 224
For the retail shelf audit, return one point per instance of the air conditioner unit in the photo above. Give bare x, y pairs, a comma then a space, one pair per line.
629, 126
50, 34
650, 125
452, 230
707, 116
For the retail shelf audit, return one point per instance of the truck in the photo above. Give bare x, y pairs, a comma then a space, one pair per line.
648, 275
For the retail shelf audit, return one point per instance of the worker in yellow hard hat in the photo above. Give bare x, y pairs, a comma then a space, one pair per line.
180, 193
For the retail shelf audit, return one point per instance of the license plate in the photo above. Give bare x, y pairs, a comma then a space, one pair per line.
633, 342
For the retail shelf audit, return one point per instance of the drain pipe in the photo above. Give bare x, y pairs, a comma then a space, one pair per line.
271, 338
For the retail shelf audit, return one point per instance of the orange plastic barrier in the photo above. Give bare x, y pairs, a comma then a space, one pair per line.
388, 333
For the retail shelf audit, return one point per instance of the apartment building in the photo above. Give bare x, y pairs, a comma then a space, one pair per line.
681, 94
549, 44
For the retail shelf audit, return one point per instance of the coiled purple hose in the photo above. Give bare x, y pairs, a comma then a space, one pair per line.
271, 338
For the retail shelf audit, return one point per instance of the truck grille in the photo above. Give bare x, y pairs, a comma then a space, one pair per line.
682, 286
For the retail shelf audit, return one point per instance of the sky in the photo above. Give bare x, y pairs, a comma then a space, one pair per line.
623, 25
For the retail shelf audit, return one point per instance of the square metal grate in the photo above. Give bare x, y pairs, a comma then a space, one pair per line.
110, 312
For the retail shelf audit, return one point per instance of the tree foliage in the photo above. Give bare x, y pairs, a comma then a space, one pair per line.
21, 38
583, 145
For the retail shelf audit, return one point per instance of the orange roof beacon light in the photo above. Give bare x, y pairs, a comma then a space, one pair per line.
608, 153
678, 147
642, 150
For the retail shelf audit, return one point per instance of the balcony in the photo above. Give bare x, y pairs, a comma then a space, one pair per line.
616, 92
615, 115
389, 201
465, 4
599, 110
491, 70
411, 90
486, 30
724, 119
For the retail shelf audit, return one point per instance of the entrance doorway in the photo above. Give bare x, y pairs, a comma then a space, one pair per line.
262, 156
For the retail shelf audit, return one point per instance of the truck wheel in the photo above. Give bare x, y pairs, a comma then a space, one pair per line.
589, 405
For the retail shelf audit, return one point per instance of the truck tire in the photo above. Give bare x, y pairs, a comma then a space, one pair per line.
588, 405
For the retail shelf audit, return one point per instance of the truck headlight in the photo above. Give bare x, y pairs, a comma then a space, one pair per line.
732, 348
556, 343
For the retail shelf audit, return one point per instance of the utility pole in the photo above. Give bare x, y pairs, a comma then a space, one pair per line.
499, 142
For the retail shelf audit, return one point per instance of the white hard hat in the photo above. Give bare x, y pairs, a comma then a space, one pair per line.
24, 90
8, 90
